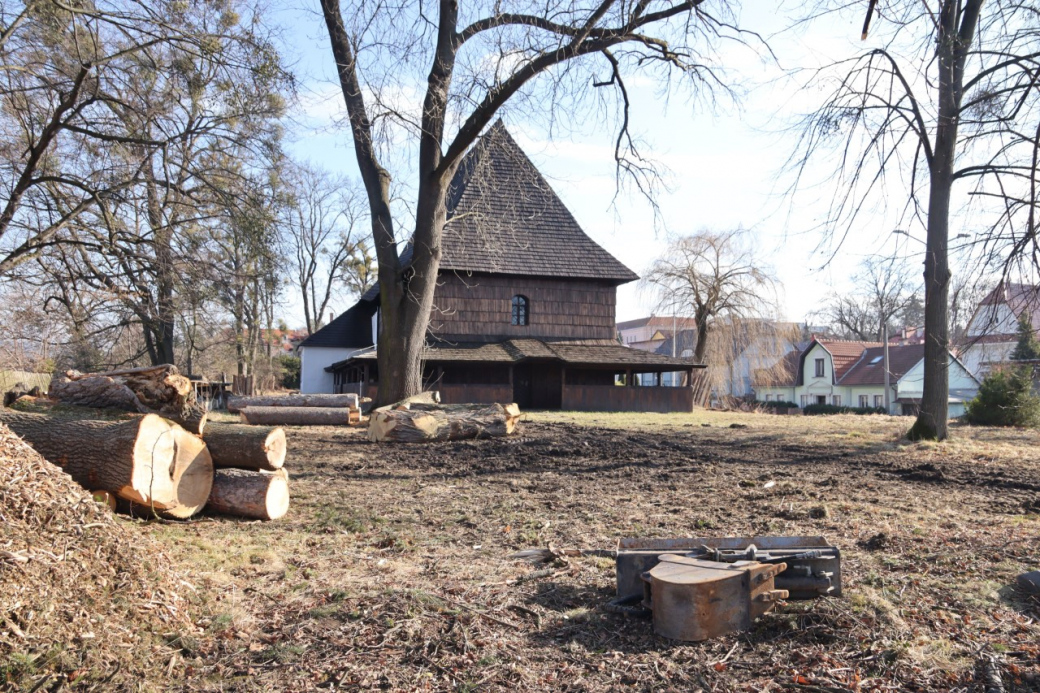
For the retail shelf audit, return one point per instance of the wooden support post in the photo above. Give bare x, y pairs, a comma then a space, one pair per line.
628, 378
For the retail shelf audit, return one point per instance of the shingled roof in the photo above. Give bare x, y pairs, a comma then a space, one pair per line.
351, 330
504, 218
870, 368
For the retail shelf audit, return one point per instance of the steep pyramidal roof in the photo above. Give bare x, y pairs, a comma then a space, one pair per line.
504, 218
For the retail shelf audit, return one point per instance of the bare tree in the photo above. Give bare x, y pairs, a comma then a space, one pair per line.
322, 218
714, 278
476, 60
885, 294
948, 100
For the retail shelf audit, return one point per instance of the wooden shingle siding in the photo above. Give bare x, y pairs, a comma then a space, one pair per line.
479, 307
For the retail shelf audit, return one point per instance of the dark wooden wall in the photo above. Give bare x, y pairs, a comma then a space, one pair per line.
479, 308
614, 398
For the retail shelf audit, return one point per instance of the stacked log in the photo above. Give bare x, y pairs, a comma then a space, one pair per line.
252, 494
246, 447
152, 390
349, 400
148, 461
419, 423
299, 416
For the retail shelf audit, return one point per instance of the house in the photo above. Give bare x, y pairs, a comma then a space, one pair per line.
524, 307
649, 333
849, 373
992, 333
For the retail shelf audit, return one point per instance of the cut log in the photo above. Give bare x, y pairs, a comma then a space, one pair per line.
246, 447
445, 423
148, 461
256, 495
236, 404
296, 416
428, 397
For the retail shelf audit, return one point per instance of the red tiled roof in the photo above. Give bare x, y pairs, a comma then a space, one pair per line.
844, 353
1020, 298
869, 369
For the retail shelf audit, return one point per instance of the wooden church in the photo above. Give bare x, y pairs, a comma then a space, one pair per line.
524, 309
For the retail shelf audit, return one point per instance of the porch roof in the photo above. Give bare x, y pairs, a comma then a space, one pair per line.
597, 354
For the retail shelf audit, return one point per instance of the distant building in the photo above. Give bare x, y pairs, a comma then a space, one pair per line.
992, 332
852, 374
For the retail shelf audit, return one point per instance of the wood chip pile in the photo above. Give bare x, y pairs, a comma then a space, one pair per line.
83, 597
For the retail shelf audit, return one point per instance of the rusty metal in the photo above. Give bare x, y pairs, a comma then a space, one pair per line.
814, 567
694, 599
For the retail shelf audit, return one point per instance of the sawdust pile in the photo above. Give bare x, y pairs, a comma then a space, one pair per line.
83, 597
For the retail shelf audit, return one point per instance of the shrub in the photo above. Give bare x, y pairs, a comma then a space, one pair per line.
1005, 399
290, 371
776, 405
817, 409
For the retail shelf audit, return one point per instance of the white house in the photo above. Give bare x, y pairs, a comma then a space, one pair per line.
852, 374
350, 333
992, 332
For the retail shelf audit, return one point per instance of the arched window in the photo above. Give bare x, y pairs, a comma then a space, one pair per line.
520, 312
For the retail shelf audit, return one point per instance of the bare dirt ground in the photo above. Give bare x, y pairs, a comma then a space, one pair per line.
392, 570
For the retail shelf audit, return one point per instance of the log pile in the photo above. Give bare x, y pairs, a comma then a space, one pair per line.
151, 390
300, 416
349, 400
246, 447
421, 422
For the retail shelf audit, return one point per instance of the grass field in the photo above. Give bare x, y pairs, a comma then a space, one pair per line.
392, 570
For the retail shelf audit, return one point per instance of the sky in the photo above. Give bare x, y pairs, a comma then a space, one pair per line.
725, 165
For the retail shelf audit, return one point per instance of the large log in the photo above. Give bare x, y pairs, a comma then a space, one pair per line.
297, 416
428, 424
246, 447
429, 397
256, 495
155, 389
148, 461
236, 404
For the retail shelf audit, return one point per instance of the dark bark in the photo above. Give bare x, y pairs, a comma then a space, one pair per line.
955, 33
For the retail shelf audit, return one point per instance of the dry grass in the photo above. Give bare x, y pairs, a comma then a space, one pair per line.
392, 572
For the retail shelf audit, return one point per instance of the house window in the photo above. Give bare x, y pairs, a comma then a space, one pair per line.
836, 400
819, 368
520, 311
864, 401
804, 400
879, 401
769, 398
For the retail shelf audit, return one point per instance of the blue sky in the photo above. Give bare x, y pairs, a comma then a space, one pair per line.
724, 164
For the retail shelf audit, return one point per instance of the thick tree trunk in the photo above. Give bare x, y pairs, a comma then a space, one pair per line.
246, 447
236, 404
298, 416
429, 423
256, 495
147, 461
953, 43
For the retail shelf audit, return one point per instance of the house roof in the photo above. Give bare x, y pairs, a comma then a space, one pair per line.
870, 368
1020, 298
504, 218
588, 353
844, 353
351, 330
659, 322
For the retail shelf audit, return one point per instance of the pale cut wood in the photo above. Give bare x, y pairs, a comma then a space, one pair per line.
428, 424
148, 460
428, 397
252, 494
296, 416
245, 447
236, 404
